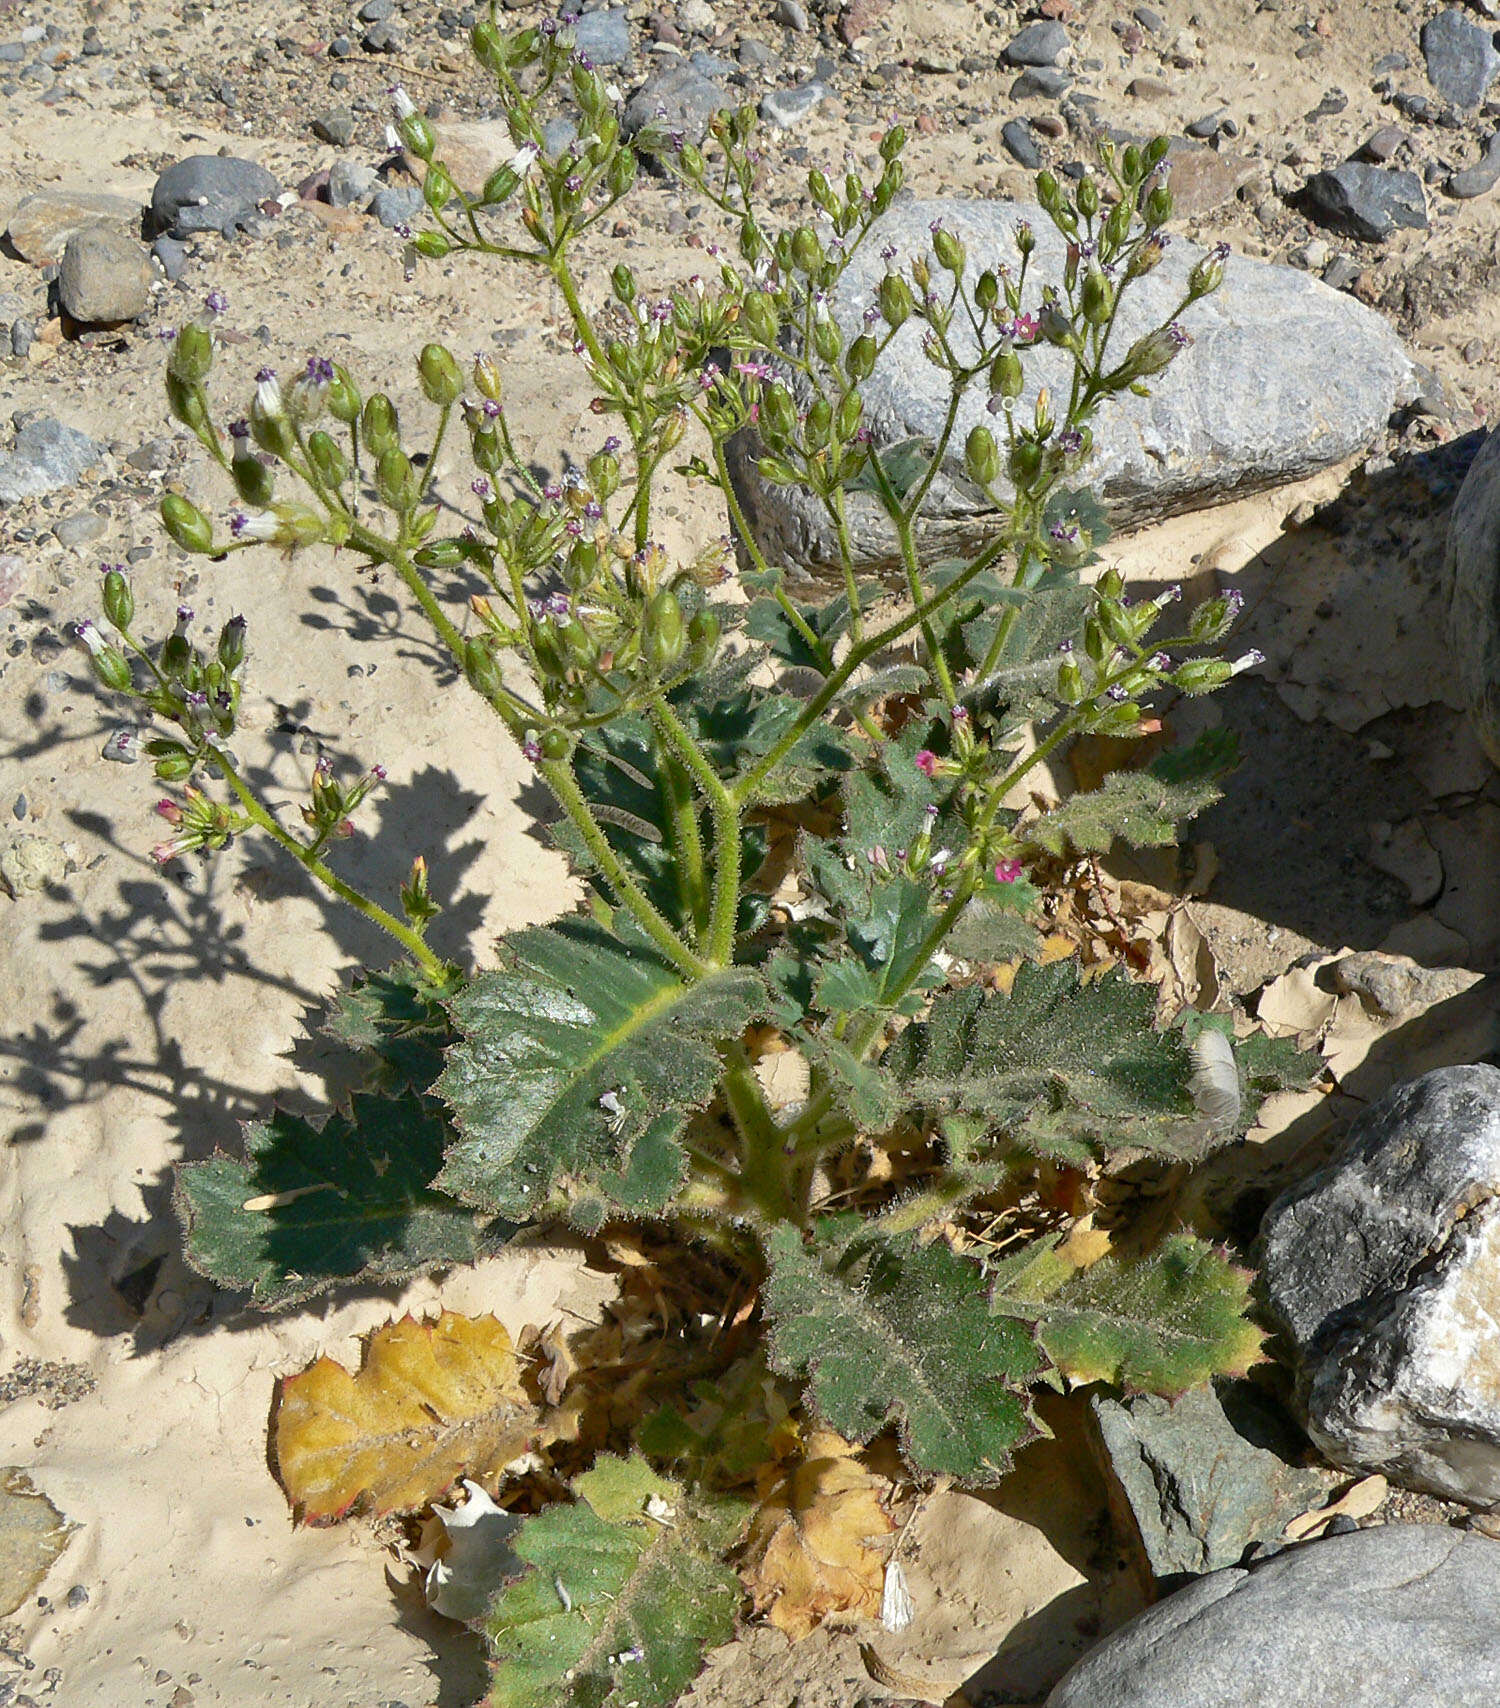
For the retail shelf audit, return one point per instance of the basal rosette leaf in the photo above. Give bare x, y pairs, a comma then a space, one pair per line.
578, 1065
890, 1331
431, 1402
310, 1206
624, 1595
1056, 1066
1163, 1322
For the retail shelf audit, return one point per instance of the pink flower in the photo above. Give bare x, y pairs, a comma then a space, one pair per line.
926, 762
1007, 871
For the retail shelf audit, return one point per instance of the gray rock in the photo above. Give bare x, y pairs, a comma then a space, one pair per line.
1383, 1269
788, 107
1020, 144
46, 457
396, 205
696, 17
1208, 126
791, 14
1404, 1614
173, 255
376, 11
754, 55
1042, 43
1481, 178
1285, 378
335, 126
1472, 568
384, 37
1381, 145
104, 278
1040, 82
209, 192
603, 37
1365, 201
80, 529
351, 183
123, 746
678, 100
558, 135
22, 336
1461, 58
1203, 1478
40, 227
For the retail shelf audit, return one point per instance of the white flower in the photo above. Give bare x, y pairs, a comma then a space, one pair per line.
402, 102
525, 157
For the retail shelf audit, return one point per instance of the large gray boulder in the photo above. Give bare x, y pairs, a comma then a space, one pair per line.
1407, 1614
1472, 567
1285, 377
1383, 1269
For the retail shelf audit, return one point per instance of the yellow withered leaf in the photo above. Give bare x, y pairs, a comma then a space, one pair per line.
431, 1402
817, 1544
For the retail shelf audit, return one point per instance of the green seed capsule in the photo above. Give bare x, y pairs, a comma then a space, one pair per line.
192, 354
328, 460
438, 188
848, 415
441, 554
488, 46
1202, 675
1006, 376
482, 667
1086, 198
895, 300
396, 480
703, 632
119, 601
1158, 206
621, 174
665, 632
500, 186
1025, 461
777, 412
1097, 298
432, 245
1069, 683
186, 401
380, 424
762, 319
343, 396
418, 135
828, 340
892, 143
173, 767
232, 644
622, 282
950, 253
440, 376
187, 524
807, 251
859, 363
818, 426
555, 745
253, 481
982, 456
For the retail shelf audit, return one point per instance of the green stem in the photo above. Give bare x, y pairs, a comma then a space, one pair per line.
726, 816
765, 1175
377, 915
560, 779
684, 836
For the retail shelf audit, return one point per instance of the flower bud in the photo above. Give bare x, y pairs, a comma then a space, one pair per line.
232, 644
1006, 376
440, 376
555, 745
778, 412
119, 601
438, 188
396, 480
859, 360
982, 456
192, 354
664, 631
109, 664
950, 253
1158, 209
328, 461
1097, 299
807, 251
1202, 675
417, 135
253, 481
827, 339
187, 524
895, 300
1130, 164
1086, 198
1156, 152
848, 415
1213, 619
482, 667
892, 143
342, 396
380, 425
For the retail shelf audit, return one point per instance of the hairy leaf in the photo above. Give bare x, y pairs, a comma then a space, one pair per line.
903, 465
1163, 1322
624, 1595
397, 1018
1140, 807
431, 1402
583, 1057
893, 1331
312, 1206
1020, 683
767, 622
862, 1090
1059, 1067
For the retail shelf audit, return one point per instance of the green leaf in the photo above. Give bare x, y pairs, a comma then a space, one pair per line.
618, 1607
312, 1206
887, 1332
903, 465
1163, 1322
1057, 1067
862, 1090
997, 925
1021, 683
580, 1052
398, 1018
767, 622
1140, 807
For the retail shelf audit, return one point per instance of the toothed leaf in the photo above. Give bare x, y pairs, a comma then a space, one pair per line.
891, 1331
580, 1052
1057, 1067
397, 1018
618, 1607
314, 1205
1164, 1322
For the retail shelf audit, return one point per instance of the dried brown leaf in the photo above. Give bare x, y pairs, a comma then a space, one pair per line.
431, 1402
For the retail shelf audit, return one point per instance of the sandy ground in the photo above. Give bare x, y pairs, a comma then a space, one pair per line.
145, 1015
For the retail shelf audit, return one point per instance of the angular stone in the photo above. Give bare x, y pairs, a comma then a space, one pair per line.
788, 107
1383, 1269
1461, 58
1020, 144
1404, 1614
603, 37
104, 278
46, 457
680, 98
1480, 178
1042, 43
42, 224
1365, 201
1472, 569
351, 183
209, 192
1233, 414
471, 149
1040, 82
396, 205
1202, 1478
